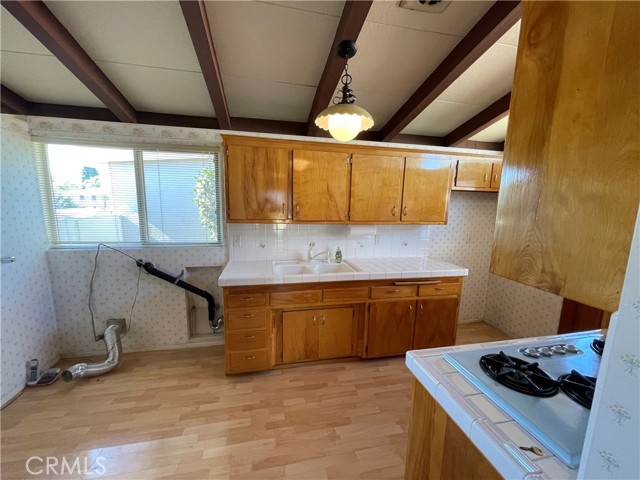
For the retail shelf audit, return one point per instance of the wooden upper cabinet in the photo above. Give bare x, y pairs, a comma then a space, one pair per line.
427, 188
376, 188
320, 186
569, 194
257, 183
483, 175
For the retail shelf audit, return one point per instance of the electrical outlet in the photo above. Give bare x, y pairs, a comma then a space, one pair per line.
236, 240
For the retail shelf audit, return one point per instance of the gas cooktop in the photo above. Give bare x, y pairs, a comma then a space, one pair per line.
535, 397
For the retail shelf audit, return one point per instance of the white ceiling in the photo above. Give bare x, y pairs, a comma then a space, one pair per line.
271, 55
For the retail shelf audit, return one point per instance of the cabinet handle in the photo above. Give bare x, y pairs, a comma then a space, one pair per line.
421, 307
393, 211
314, 318
283, 209
247, 299
249, 357
324, 317
404, 211
439, 288
248, 315
346, 214
393, 291
485, 177
411, 308
495, 177
249, 337
297, 209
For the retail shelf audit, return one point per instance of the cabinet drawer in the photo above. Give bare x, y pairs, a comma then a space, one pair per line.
246, 300
248, 340
354, 293
295, 298
249, 361
440, 289
237, 320
394, 291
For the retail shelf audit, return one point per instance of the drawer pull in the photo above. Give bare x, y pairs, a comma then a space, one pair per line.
439, 288
248, 315
485, 177
247, 299
404, 211
426, 282
249, 337
393, 291
249, 357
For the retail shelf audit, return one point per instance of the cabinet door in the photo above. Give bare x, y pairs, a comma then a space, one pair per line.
299, 336
335, 333
496, 173
258, 181
436, 323
473, 174
320, 181
427, 187
390, 329
376, 188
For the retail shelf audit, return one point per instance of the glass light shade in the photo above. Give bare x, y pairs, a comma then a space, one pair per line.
344, 121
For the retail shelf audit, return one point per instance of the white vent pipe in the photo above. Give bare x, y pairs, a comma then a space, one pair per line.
114, 357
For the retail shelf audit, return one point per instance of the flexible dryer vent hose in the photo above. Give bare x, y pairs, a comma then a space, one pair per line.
114, 357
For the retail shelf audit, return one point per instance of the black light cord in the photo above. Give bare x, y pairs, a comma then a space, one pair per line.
93, 274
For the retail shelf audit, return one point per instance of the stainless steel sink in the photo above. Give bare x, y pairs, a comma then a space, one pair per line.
293, 267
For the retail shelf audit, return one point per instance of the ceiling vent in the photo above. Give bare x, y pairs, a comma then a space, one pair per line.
429, 6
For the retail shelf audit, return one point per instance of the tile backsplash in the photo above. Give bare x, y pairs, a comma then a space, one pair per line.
465, 240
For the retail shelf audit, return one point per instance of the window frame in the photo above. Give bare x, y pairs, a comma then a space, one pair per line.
47, 198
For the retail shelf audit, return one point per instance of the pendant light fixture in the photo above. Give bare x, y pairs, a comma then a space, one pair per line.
344, 119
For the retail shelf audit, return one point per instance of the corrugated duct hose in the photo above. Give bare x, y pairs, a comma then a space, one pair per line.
111, 335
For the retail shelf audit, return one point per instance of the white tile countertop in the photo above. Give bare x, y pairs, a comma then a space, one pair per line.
261, 272
490, 429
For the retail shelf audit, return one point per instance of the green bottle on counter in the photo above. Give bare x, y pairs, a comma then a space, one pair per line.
338, 255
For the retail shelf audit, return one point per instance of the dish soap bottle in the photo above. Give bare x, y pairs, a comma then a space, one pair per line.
338, 255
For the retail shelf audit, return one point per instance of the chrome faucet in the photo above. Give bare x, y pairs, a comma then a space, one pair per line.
311, 256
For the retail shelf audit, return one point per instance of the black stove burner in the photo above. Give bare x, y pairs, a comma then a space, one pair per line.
518, 375
578, 387
597, 346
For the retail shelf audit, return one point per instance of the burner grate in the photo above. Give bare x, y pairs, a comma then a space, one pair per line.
597, 346
518, 375
580, 388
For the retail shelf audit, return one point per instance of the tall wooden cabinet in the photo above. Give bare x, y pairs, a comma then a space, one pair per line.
569, 194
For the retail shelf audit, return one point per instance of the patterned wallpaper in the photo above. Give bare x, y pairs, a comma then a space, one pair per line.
160, 314
28, 321
613, 433
521, 310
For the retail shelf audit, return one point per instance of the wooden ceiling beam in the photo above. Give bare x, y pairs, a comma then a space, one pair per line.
496, 22
490, 115
43, 24
195, 14
12, 102
351, 23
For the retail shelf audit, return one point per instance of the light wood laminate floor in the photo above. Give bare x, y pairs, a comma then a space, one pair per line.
174, 414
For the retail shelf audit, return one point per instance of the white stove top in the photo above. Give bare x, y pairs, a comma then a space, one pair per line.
558, 422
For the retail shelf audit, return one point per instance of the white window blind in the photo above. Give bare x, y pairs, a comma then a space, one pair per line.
136, 196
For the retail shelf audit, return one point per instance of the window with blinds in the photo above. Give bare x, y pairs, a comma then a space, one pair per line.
139, 196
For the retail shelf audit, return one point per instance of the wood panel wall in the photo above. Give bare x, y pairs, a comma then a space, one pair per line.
570, 190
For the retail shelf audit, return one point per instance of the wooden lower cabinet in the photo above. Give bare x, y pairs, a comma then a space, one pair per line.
272, 325
437, 448
317, 334
390, 329
436, 322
